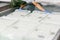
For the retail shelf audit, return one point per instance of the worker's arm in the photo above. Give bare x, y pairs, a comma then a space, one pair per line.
38, 6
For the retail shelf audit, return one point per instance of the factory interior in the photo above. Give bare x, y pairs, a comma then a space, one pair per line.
30, 22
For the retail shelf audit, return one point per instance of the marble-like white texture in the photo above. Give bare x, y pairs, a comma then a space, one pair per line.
30, 31
53, 18
20, 25
18, 13
6, 22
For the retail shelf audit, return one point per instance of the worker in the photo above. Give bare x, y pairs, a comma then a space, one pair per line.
21, 4
18, 4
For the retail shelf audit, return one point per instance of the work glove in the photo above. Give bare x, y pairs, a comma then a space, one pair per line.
46, 11
20, 9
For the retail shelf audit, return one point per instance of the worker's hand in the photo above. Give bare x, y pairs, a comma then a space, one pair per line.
19, 9
46, 11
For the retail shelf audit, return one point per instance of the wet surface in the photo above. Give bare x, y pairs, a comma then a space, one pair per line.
52, 8
4, 6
